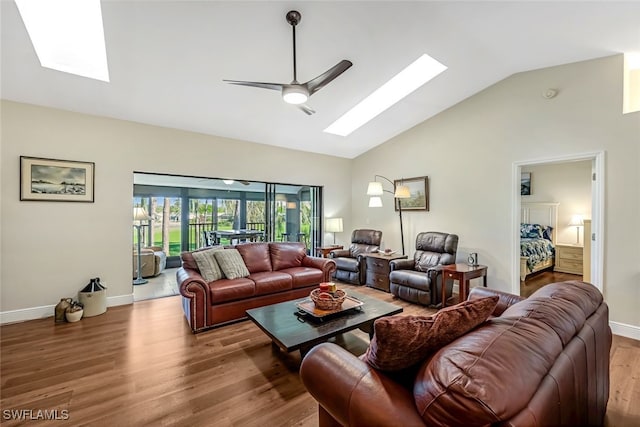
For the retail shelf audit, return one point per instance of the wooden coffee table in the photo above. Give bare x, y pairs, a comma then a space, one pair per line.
291, 331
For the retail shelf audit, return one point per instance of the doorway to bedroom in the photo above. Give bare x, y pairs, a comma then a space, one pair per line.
566, 195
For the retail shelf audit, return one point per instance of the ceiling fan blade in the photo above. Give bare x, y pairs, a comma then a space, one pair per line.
308, 110
323, 79
272, 86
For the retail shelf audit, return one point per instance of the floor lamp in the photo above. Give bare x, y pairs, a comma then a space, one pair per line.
375, 190
139, 214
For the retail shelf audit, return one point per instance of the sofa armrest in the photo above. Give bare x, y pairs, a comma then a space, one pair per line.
401, 264
328, 266
195, 295
505, 300
154, 248
354, 393
336, 253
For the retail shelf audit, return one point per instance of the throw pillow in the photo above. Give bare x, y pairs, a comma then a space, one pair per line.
207, 264
231, 263
400, 341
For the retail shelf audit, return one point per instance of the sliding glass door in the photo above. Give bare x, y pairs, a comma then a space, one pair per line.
184, 209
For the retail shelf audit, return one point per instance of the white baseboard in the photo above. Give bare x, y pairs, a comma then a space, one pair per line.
45, 311
625, 330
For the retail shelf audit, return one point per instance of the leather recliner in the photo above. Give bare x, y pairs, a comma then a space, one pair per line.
419, 280
350, 262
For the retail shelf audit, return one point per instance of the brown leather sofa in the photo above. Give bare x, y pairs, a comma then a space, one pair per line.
350, 262
278, 272
542, 361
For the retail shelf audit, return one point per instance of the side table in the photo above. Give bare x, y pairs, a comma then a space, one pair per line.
323, 251
463, 273
378, 269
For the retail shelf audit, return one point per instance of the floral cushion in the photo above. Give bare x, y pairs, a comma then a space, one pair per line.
531, 231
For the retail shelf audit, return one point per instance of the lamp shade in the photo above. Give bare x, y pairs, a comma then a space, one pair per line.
140, 214
375, 202
374, 189
295, 94
334, 225
576, 221
402, 192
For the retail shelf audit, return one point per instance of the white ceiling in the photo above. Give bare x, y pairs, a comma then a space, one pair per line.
167, 60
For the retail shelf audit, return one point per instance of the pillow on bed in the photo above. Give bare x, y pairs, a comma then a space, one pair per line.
547, 232
531, 231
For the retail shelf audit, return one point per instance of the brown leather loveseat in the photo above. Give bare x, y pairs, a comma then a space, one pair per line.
541, 361
278, 271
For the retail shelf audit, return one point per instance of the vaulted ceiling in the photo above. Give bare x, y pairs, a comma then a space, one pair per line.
167, 60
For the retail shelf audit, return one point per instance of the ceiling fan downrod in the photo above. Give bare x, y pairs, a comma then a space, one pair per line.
293, 18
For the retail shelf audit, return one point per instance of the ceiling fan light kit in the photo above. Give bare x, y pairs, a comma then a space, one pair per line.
296, 93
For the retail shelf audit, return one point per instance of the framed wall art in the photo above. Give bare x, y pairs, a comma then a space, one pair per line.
419, 188
55, 180
525, 183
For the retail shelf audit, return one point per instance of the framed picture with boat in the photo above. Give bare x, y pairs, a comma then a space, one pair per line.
53, 180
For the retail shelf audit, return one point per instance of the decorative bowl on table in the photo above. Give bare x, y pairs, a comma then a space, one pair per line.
328, 300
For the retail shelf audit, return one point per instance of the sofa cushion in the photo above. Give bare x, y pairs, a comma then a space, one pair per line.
231, 263
188, 261
402, 341
271, 282
256, 256
287, 255
227, 290
207, 264
304, 276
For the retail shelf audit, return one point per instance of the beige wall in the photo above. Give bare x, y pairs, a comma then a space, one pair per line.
469, 151
51, 250
567, 183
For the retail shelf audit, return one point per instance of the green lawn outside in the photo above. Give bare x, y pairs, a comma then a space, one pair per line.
175, 233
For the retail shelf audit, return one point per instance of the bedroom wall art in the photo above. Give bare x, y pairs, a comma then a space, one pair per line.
525, 183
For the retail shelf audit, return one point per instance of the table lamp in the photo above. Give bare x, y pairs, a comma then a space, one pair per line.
334, 225
577, 221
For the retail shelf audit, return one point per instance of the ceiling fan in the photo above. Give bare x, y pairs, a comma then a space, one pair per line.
297, 93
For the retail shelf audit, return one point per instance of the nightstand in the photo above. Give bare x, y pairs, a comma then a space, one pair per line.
378, 270
568, 258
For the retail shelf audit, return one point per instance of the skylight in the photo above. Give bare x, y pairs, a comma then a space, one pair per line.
67, 35
631, 83
402, 84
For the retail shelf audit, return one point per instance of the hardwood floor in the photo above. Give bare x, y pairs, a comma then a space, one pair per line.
141, 365
538, 280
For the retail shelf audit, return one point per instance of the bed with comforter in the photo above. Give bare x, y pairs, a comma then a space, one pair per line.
537, 251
